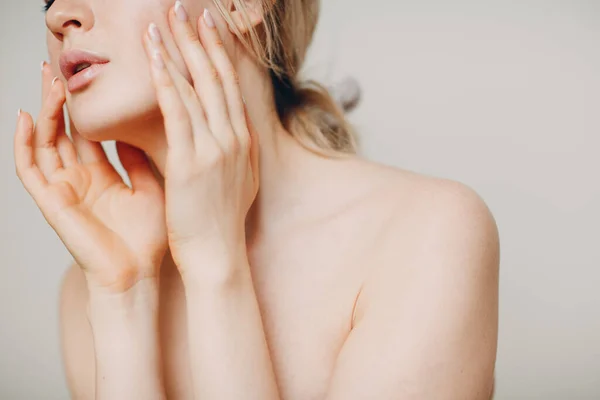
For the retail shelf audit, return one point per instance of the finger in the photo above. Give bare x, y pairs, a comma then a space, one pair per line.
207, 82
66, 149
89, 152
212, 42
28, 172
137, 166
46, 129
177, 100
47, 77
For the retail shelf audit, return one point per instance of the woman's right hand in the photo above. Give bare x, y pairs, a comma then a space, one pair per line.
116, 234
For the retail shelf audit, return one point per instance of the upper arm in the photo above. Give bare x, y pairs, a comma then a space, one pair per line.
76, 335
429, 318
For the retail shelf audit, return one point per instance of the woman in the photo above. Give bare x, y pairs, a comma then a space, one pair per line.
338, 279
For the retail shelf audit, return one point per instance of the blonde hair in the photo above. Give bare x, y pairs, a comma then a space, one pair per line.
306, 108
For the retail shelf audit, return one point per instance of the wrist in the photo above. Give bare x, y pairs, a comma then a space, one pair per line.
120, 279
125, 328
135, 305
213, 267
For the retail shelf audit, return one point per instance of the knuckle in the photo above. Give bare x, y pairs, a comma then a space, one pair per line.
215, 158
214, 75
233, 75
192, 36
219, 44
46, 145
232, 146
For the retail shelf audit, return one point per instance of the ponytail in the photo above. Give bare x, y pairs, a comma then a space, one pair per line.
314, 117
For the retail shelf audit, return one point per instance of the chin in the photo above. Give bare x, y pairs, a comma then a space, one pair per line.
113, 109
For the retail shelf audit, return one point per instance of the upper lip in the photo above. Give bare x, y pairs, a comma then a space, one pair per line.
69, 60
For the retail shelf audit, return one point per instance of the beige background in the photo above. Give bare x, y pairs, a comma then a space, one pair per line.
501, 95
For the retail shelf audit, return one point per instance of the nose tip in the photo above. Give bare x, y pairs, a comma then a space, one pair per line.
61, 32
66, 16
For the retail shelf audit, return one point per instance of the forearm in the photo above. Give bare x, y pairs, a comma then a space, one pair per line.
126, 343
229, 353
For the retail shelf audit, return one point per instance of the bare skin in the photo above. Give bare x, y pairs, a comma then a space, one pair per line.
310, 277
350, 280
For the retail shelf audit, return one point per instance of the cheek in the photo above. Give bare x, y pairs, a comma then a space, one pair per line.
132, 19
155, 11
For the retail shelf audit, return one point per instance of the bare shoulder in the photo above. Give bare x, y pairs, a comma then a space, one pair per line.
428, 217
430, 299
427, 207
437, 226
76, 335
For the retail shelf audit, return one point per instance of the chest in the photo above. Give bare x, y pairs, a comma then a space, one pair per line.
306, 287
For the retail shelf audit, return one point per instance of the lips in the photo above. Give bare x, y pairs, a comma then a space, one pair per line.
79, 66
70, 60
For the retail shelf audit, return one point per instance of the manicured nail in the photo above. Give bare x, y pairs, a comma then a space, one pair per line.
180, 11
159, 62
43, 64
210, 22
19, 113
54, 80
154, 33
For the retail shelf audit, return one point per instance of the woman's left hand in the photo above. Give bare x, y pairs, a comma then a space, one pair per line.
211, 172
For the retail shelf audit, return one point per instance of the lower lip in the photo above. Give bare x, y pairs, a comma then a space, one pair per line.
84, 77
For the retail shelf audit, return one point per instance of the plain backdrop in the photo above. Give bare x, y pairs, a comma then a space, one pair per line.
503, 96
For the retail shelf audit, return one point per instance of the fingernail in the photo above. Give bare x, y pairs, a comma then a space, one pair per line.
18, 113
43, 64
210, 22
54, 80
154, 33
180, 11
